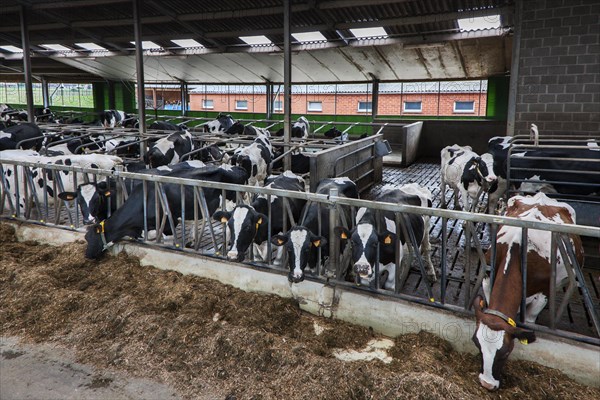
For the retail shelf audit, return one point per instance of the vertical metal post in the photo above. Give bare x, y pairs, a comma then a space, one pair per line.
524, 249
184, 97
374, 103
444, 260
287, 80
45, 94
27, 63
139, 67
333, 248
514, 69
269, 99
552, 289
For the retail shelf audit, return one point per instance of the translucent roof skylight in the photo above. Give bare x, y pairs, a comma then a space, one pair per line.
187, 43
472, 24
90, 46
256, 40
315, 36
56, 47
148, 45
12, 49
377, 31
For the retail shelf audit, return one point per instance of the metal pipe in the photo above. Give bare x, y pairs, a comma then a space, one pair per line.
514, 69
524, 248
287, 79
45, 92
139, 67
27, 63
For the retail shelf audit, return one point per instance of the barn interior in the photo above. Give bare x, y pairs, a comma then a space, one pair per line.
539, 61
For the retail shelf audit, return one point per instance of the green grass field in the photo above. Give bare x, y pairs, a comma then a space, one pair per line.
58, 96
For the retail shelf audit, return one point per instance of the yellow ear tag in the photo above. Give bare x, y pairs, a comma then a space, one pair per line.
482, 303
524, 342
223, 220
343, 235
512, 322
280, 241
70, 197
387, 240
317, 243
107, 194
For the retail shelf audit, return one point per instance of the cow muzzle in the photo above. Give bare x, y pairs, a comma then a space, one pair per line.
235, 256
491, 386
295, 278
364, 270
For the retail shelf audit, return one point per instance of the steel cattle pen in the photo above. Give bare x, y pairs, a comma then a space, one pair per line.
199, 234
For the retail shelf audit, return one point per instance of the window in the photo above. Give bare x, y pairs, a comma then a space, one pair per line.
278, 105
314, 106
207, 103
464, 106
412, 106
365, 106
241, 104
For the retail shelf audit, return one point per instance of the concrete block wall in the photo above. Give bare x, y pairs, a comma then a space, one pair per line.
559, 69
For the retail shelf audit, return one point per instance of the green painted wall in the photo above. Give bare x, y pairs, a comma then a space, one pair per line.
497, 104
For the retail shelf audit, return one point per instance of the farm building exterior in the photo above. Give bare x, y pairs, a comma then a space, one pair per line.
358, 109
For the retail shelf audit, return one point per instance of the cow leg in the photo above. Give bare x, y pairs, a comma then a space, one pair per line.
426, 252
534, 306
443, 192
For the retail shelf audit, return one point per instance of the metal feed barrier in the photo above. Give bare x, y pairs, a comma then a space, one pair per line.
199, 234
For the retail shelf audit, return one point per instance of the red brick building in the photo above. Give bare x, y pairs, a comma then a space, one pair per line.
458, 98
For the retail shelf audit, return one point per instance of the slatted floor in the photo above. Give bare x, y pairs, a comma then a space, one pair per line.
426, 173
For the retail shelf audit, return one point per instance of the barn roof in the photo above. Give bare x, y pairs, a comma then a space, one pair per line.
423, 40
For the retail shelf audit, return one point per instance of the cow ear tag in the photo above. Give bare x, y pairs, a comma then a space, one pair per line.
481, 303
107, 194
317, 243
524, 342
223, 220
387, 240
280, 241
343, 235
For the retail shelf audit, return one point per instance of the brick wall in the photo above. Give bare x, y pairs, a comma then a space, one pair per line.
347, 104
559, 70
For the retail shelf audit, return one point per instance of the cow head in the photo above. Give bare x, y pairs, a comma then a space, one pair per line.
494, 337
299, 242
91, 198
95, 241
483, 168
365, 242
237, 128
243, 225
213, 126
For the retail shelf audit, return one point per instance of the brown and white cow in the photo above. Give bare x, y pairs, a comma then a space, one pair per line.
496, 328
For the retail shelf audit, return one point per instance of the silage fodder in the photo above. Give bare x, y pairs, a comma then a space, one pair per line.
200, 336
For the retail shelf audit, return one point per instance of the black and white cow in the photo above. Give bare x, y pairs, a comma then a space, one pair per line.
466, 173
128, 220
248, 224
240, 129
300, 129
12, 135
304, 241
256, 159
96, 161
116, 118
96, 199
368, 242
300, 162
221, 124
168, 150
167, 126
337, 135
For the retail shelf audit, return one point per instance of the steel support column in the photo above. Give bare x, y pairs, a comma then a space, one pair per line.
139, 67
269, 99
27, 63
45, 93
374, 103
514, 70
287, 80
183, 91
